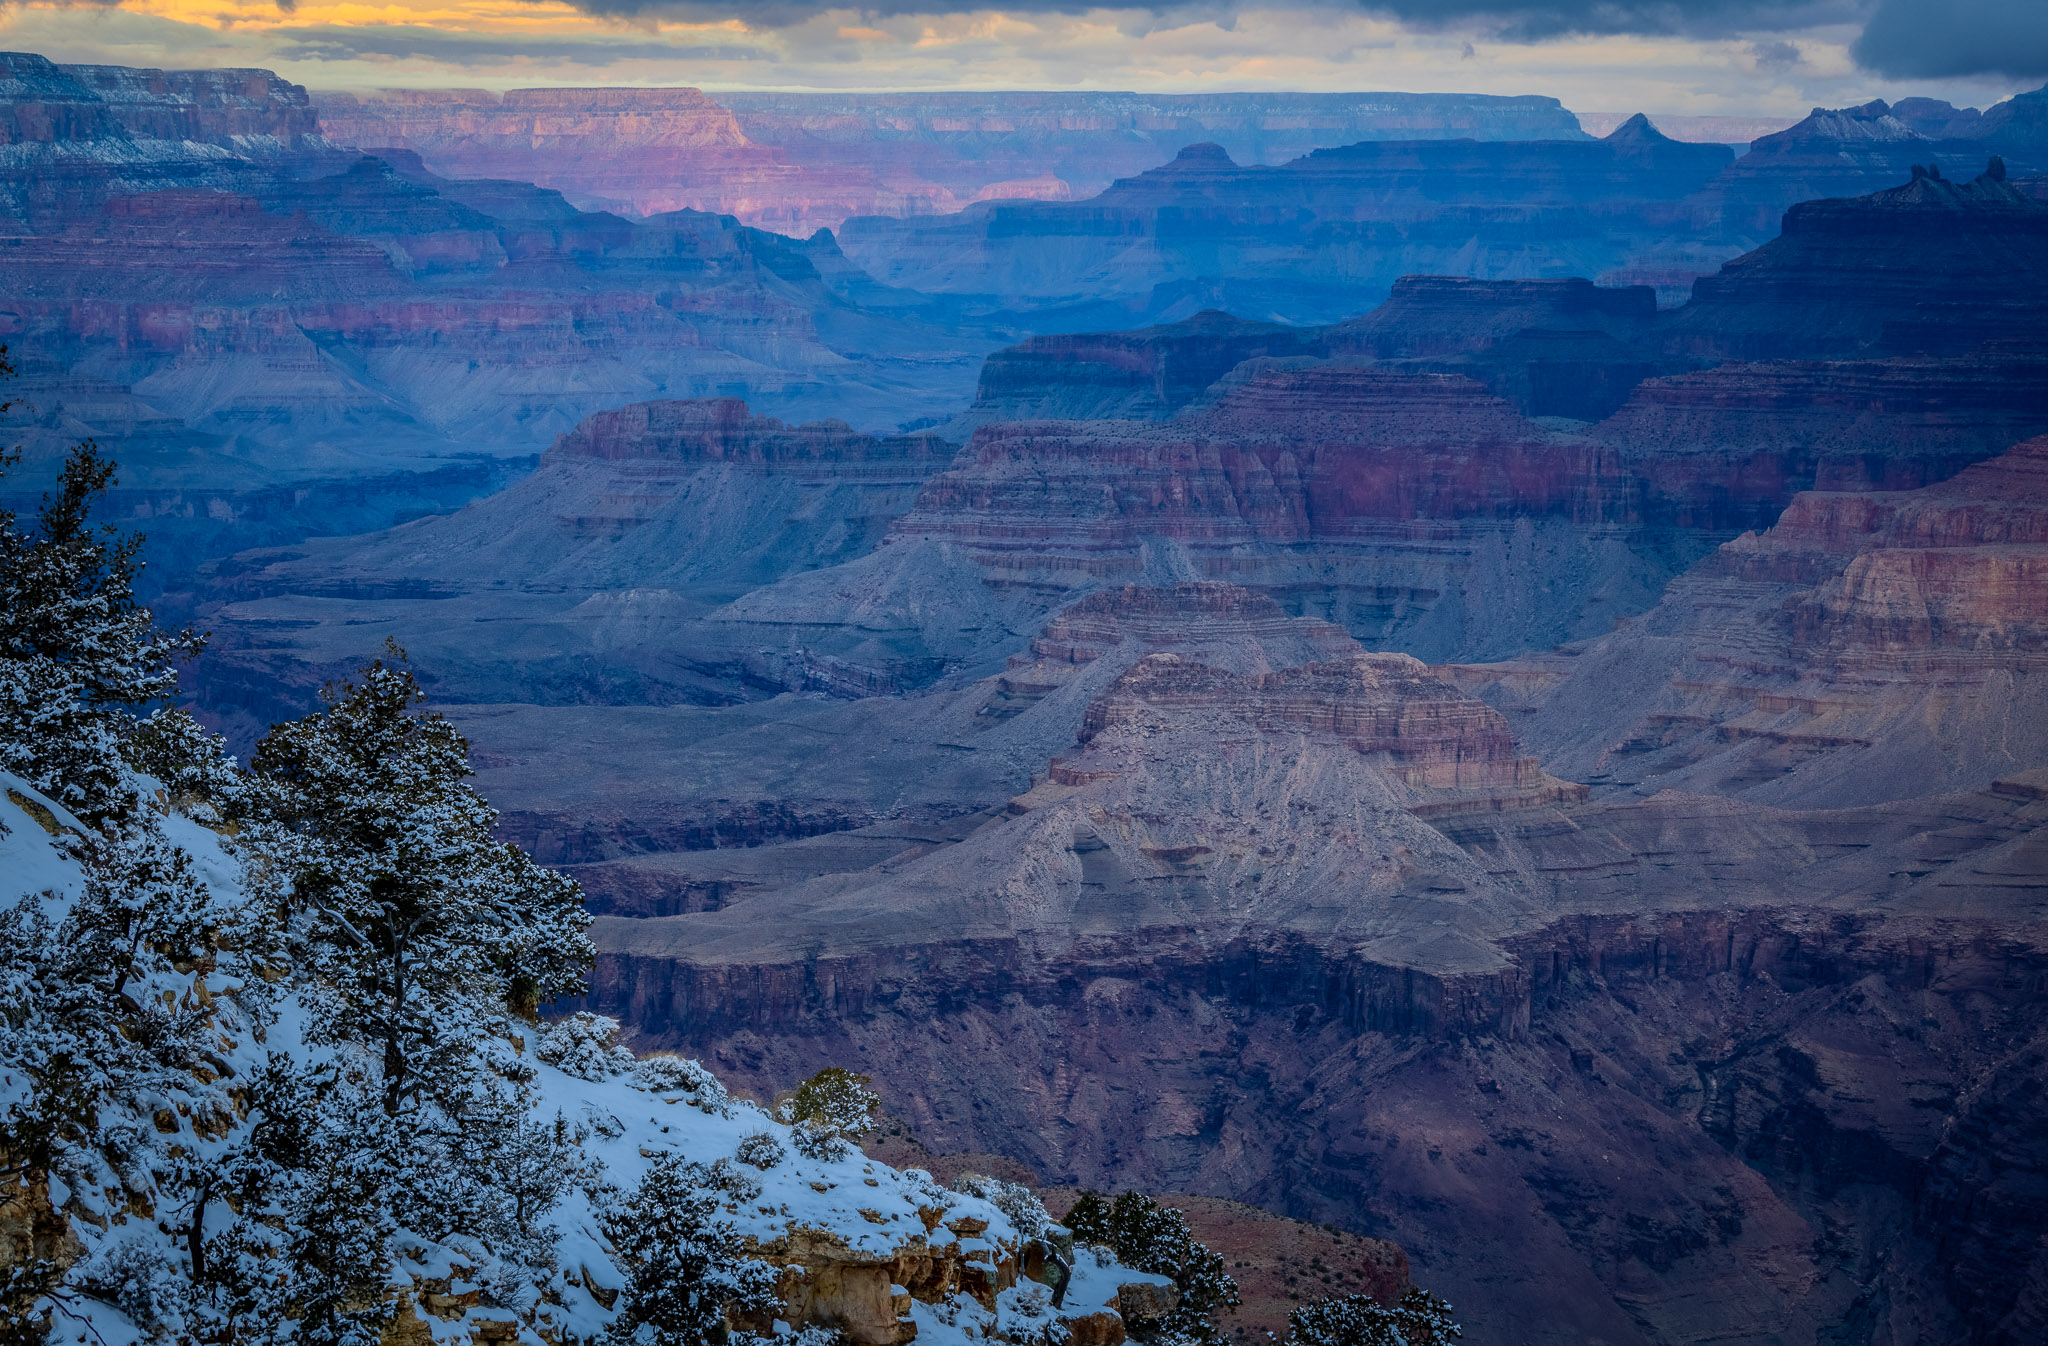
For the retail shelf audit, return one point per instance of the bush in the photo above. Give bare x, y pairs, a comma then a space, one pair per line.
1420, 1319
1150, 1237
815, 1140
687, 1271
1018, 1202
761, 1149
585, 1045
667, 1073
835, 1098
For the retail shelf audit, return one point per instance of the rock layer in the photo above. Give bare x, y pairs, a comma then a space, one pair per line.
1869, 645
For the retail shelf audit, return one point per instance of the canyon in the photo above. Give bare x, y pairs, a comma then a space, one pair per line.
799, 162
193, 267
1541, 765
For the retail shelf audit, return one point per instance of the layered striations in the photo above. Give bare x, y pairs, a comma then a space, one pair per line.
1867, 646
797, 162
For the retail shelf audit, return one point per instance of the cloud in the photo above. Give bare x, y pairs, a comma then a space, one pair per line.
1511, 20
1774, 55
405, 41
1937, 39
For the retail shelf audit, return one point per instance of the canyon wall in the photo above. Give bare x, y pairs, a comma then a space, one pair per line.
798, 162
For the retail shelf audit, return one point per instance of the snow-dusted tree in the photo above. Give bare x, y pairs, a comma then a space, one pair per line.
829, 1109
1420, 1319
421, 927
838, 1098
78, 655
1156, 1238
687, 1271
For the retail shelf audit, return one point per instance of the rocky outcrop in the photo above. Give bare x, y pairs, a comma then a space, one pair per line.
1726, 448
242, 110
1319, 239
1145, 374
797, 162
1858, 277
1868, 646
1638, 1104
78, 136
1551, 347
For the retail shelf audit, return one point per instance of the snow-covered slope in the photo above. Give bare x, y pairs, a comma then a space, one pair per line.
859, 1251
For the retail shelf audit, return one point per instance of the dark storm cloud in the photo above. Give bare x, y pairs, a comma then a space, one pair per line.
454, 48
1903, 38
1512, 20
1936, 39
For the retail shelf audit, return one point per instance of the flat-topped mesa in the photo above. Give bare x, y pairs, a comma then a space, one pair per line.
1143, 374
1177, 616
1457, 315
722, 430
1433, 737
1930, 267
249, 111
42, 102
246, 110
1727, 448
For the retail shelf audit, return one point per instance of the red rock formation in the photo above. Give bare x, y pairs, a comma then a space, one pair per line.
1571, 1145
241, 109
1453, 315
1867, 646
799, 162
722, 430
1291, 455
649, 150
1143, 374
1728, 447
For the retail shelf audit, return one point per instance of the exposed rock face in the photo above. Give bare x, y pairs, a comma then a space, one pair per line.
1726, 448
236, 109
589, 578
1866, 647
1852, 277
638, 149
1552, 347
1378, 978
283, 315
1318, 239
1428, 316
797, 162
77, 136
1145, 374
1313, 483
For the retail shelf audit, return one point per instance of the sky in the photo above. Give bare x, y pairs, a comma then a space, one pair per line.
1696, 57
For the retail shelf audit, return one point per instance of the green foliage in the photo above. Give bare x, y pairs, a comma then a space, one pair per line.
1150, 1237
78, 655
398, 897
688, 1270
1420, 1319
835, 1098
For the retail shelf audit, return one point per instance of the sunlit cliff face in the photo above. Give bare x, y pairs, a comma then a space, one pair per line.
1747, 62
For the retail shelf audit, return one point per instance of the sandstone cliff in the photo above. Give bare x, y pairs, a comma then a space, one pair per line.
1868, 646
1603, 1033
797, 162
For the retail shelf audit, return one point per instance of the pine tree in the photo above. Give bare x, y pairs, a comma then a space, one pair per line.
1150, 1237
418, 923
1420, 1319
78, 654
688, 1273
